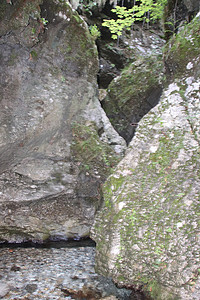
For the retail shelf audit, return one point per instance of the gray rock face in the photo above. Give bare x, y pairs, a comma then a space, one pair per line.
132, 94
147, 232
48, 83
99, 3
113, 58
192, 5
138, 87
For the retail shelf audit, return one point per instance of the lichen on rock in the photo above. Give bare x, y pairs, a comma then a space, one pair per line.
147, 232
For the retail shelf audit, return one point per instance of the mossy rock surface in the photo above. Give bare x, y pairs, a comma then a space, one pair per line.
182, 49
17, 14
47, 85
147, 231
95, 157
133, 94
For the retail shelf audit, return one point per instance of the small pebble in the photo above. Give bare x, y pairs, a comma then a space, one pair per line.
4, 289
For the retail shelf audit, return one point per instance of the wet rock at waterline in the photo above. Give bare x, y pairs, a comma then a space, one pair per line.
147, 232
51, 145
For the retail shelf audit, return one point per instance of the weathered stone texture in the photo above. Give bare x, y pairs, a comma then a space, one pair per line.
48, 83
147, 233
132, 94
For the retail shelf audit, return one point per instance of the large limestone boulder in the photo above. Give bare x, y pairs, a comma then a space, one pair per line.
137, 62
147, 232
56, 143
133, 93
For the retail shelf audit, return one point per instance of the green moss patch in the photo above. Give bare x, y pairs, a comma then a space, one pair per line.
130, 95
183, 48
15, 16
148, 236
90, 152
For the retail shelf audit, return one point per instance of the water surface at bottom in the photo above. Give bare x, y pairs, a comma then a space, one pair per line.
53, 273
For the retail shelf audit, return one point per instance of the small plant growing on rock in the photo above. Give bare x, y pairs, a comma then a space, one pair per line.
44, 21
94, 31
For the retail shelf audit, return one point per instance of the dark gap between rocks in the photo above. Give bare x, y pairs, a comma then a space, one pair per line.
71, 243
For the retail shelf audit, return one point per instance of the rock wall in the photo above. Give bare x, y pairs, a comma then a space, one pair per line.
182, 49
147, 232
133, 93
48, 89
192, 5
177, 13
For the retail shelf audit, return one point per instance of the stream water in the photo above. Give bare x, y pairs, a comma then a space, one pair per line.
57, 270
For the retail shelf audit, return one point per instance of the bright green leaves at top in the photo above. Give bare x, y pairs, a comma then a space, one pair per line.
146, 10
125, 20
149, 10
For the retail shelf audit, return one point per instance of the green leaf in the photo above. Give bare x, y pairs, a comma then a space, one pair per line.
140, 11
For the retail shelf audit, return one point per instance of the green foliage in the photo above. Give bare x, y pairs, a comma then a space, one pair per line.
125, 20
87, 6
94, 31
147, 10
43, 21
155, 10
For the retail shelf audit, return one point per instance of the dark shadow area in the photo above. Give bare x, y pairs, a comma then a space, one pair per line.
125, 121
71, 243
